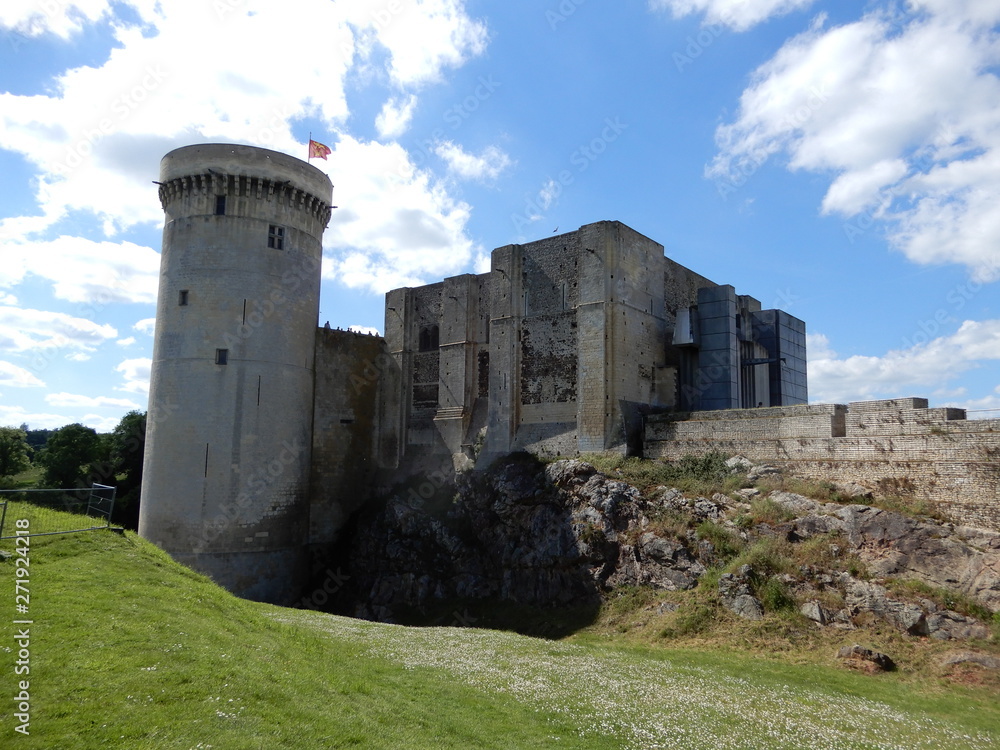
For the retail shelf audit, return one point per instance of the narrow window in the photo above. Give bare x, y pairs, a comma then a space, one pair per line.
220, 205
221, 356
428, 338
276, 237
182, 297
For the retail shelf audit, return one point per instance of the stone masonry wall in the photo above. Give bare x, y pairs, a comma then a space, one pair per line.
345, 427
891, 447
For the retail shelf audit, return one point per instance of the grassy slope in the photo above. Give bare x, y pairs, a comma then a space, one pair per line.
131, 650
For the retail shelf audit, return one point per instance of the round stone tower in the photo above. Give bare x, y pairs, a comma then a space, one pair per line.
225, 480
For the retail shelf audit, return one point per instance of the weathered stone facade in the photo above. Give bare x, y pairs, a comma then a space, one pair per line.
566, 342
226, 476
893, 446
277, 432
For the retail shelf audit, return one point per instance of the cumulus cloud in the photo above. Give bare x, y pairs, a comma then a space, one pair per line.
486, 166
901, 372
23, 330
96, 273
96, 137
14, 415
88, 402
146, 326
31, 18
135, 375
396, 226
738, 15
909, 134
365, 329
395, 117
18, 377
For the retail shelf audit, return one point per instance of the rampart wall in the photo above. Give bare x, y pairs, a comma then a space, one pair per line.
891, 447
345, 435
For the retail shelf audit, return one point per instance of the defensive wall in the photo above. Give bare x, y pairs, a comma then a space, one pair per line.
897, 446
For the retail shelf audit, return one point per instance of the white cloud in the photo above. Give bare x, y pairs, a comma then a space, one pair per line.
426, 36
18, 377
65, 18
126, 342
365, 329
486, 166
395, 226
99, 152
146, 326
16, 415
549, 193
81, 270
88, 402
904, 112
900, 372
395, 117
135, 373
25, 330
739, 15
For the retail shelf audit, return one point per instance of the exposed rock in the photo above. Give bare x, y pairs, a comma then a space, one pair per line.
814, 612
863, 656
739, 464
854, 491
747, 494
759, 472
736, 594
971, 657
563, 533
891, 544
862, 596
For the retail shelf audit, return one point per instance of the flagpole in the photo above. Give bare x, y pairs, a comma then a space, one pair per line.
309, 148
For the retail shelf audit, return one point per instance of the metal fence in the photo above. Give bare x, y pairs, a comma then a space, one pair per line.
36, 510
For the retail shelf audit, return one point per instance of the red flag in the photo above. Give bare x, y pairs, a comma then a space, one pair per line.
317, 150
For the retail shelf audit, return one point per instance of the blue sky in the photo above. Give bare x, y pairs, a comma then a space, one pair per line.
839, 160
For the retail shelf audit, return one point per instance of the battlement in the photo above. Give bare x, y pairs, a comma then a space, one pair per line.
208, 186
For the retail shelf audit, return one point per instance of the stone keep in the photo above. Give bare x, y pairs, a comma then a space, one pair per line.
226, 475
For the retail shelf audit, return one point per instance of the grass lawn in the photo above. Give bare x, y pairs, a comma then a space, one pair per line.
130, 650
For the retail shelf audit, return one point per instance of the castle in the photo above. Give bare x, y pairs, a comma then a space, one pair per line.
275, 430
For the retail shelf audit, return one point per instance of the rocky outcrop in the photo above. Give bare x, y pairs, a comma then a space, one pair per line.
563, 534
891, 544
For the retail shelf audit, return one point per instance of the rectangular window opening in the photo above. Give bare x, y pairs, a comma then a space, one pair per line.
276, 237
222, 356
220, 205
182, 298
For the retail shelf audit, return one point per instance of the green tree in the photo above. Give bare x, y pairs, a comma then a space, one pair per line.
69, 455
14, 451
126, 446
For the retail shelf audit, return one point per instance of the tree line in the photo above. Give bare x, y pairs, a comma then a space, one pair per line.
76, 456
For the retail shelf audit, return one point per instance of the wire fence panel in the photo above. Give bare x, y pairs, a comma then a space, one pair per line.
44, 511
